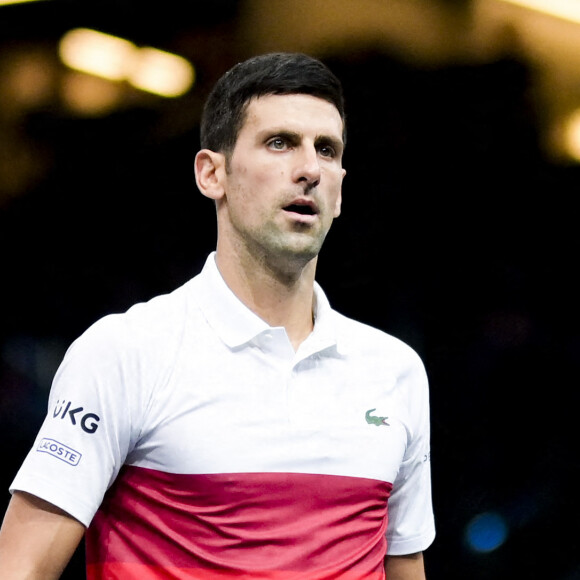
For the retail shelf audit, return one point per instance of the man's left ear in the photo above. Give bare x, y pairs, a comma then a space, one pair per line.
338, 203
209, 167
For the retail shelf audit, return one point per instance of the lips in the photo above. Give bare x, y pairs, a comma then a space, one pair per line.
302, 207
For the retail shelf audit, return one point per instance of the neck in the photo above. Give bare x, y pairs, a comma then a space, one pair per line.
279, 296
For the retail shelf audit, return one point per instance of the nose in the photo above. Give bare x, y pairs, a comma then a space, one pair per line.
307, 169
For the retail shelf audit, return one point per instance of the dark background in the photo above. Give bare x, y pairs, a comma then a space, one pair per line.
458, 235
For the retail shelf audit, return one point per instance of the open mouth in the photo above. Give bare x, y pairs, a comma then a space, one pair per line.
300, 208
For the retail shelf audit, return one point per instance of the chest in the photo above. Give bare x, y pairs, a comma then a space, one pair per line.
253, 411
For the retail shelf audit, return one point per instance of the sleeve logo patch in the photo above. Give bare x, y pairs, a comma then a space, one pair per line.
59, 451
89, 422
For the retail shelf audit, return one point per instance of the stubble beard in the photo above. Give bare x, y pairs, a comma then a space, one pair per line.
286, 253
283, 247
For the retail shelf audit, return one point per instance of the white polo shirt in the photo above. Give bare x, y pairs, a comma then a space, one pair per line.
196, 443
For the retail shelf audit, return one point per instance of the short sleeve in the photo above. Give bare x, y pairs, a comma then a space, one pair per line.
411, 526
91, 423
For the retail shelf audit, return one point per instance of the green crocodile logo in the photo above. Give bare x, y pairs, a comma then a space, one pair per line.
373, 420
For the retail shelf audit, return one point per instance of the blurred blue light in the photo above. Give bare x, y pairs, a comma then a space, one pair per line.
486, 532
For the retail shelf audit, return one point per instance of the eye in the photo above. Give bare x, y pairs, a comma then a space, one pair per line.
327, 151
278, 143
329, 148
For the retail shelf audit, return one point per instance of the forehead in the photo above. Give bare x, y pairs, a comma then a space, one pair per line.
296, 112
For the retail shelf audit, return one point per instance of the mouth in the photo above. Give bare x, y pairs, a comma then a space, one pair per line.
303, 208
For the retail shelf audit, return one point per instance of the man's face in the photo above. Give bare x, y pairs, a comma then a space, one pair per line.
282, 188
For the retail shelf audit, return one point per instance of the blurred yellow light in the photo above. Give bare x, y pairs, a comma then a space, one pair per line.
567, 9
117, 59
89, 95
161, 73
572, 135
6, 2
97, 53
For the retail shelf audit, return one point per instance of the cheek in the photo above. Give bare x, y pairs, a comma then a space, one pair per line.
257, 181
246, 200
335, 186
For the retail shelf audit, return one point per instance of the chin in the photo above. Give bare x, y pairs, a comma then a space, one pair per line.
300, 257
295, 250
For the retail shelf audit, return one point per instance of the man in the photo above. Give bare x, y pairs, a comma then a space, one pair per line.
238, 426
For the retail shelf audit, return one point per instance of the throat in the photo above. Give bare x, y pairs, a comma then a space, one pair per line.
280, 292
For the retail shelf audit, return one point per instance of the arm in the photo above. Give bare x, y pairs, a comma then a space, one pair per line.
409, 567
37, 539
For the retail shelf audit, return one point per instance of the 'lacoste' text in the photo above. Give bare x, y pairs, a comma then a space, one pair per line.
59, 451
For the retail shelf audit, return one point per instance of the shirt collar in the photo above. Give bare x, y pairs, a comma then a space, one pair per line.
231, 319
237, 325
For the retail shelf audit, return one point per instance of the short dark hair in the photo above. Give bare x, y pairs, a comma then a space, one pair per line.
277, 73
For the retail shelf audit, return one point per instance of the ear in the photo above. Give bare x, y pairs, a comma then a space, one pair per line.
338, 203
209, 172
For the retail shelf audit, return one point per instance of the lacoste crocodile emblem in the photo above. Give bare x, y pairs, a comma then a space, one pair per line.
373, 420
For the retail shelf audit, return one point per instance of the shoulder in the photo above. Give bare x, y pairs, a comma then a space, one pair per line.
362, 338
153, 326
